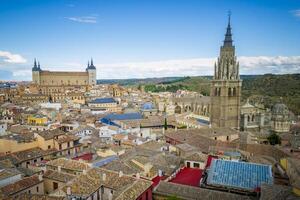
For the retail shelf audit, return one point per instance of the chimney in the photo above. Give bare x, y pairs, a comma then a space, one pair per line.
103, 177
138, 176
69, 190
176, 128
120, 173
40, 177
59, 169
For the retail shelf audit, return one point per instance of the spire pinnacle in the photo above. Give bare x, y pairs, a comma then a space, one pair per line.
229, 16
88, 64
228, 36
34, 63
92, 64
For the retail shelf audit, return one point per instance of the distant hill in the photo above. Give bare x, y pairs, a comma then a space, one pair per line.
126, 82
266, 89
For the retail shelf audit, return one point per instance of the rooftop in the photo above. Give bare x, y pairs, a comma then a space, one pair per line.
58, 176
50, 134
125, 116
68, 164
239, 175
126, 187
20, 185
188, 176
103, 100
189, 192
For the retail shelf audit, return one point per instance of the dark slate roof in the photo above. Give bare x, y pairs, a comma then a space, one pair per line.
104, 100
280, 108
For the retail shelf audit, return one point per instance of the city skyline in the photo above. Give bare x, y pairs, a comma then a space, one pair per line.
139, 40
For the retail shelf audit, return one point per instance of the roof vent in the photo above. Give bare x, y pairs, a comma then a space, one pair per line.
103, 177
69, 192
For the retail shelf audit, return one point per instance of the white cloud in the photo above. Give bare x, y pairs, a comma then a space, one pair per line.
9, 57
92, 19
164, 68
296, 13
198, 66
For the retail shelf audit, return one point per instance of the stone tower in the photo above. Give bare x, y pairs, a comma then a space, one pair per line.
226, 86
91, 69
36, 72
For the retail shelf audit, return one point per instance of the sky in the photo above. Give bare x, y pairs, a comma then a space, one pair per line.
147, 38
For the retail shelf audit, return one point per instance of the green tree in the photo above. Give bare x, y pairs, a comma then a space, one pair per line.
173, 198
166, 124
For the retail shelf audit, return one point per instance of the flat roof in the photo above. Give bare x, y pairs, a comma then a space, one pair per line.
239, 175
103, 100
188, 176
125, 116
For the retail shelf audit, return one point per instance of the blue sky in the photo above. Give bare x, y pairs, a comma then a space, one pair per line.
147, 38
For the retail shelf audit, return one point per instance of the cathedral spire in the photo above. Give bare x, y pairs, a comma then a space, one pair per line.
35, 66
92, 64
228, 36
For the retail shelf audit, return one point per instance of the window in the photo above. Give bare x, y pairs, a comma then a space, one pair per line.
229, 92
68, 144
55, 185
60, 147
196, 165
37, 188
227, 138
29, 191
188, 164
234, 91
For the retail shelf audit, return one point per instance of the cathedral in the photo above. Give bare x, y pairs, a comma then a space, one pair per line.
226, 86
50, 82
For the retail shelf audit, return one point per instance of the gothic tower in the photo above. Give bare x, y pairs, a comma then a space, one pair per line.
91, 69
36, 72
226, 86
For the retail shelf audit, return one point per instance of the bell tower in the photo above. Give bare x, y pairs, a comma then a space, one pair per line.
36, 72
91, 69
226, 86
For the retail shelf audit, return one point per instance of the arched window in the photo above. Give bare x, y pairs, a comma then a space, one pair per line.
234, 91
248, 118
229, 92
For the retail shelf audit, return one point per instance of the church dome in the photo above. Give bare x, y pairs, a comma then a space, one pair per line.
280, 109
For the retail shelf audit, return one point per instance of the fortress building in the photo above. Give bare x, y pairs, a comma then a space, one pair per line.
50, 82
226, 86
